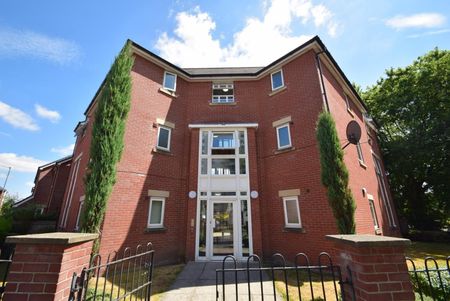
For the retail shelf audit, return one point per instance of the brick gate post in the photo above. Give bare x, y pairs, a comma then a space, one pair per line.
377, 264
43, 265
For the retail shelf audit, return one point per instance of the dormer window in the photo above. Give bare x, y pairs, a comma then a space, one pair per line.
222, 93
170, 81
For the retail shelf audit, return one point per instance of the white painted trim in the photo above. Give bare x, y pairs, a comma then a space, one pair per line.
222, 125
282, 79
168, 138
175, 82
73, 181
158, 199
77, 225
278, 136
286, 223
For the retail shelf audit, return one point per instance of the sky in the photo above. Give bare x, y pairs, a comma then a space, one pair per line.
55, 54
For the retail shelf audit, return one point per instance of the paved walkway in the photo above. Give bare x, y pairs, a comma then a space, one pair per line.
197, 281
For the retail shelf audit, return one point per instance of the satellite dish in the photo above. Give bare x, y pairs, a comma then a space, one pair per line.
353, 132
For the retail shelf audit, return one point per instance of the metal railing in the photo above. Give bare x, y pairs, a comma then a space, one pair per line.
430, 282
279, 281
6, 254
120, 278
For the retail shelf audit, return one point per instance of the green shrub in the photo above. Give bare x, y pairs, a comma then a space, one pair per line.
433, 287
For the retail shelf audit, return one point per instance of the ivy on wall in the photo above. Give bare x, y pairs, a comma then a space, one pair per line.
334, 174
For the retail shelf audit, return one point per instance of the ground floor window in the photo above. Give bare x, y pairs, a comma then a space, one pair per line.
373, 212
156, 213
80, 213
291, 212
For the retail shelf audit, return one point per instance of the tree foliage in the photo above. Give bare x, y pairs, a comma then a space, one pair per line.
334, 174
107, 139
412, 106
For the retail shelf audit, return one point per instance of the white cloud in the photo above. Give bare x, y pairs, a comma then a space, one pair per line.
424, 20
63, 151
30, 184
429, 33
43, 112
20, 163
258, 43
17, 118
33, 44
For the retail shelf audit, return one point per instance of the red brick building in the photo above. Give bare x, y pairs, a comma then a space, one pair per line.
224, 161
49, 187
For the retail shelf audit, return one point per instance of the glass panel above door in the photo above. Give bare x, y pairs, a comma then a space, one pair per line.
223, 140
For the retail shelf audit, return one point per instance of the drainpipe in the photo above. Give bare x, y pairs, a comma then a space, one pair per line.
322, 84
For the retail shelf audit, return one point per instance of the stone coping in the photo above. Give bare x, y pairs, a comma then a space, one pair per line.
54, 238
367, 240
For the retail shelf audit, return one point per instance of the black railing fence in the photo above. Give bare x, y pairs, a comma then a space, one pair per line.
125, 276
6, 254
278, 280
430, 282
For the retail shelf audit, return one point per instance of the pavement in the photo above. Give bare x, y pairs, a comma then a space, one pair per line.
197, 281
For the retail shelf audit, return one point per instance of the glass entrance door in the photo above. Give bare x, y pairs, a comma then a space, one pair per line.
223, 229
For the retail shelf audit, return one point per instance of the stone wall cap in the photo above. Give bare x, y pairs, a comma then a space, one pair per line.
367, 240
55, 238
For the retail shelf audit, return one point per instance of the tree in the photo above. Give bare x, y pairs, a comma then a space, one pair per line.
334, 174
412, 106
107, 139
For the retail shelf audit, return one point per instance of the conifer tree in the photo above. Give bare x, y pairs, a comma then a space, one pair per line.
334, 174
107, 139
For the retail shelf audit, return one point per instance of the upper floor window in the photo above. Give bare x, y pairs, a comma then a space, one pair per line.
277, 80
170, 81
283, 136
223, 140
223, 93
360, 153
164, 134
291, 212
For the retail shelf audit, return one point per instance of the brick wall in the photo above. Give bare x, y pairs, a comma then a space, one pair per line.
142, 168
43, 266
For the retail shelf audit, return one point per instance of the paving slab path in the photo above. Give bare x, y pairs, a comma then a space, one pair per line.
197, 282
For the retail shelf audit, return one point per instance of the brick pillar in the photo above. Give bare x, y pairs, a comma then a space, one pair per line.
378, 266
43, 265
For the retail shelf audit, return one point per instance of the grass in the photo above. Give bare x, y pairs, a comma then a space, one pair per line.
419, 250
163, 277
305, 286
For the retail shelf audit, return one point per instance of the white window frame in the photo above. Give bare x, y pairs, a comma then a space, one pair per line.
160, 225
373, 212
77, 225
175, 82
282, 79
359, 152
286, 223
218, 99
168, 138
278, 136
218, 147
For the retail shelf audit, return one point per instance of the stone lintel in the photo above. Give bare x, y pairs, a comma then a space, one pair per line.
367, 240
54, 238
158, 193
282, 121
289, 192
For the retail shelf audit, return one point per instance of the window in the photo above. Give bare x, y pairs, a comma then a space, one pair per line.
222, 93
156, 213
373, 212
80, 213
283, 136
360, 153
223, 167
291, 212
277, 80
223, 140
170, 81
164, 138
347, 102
